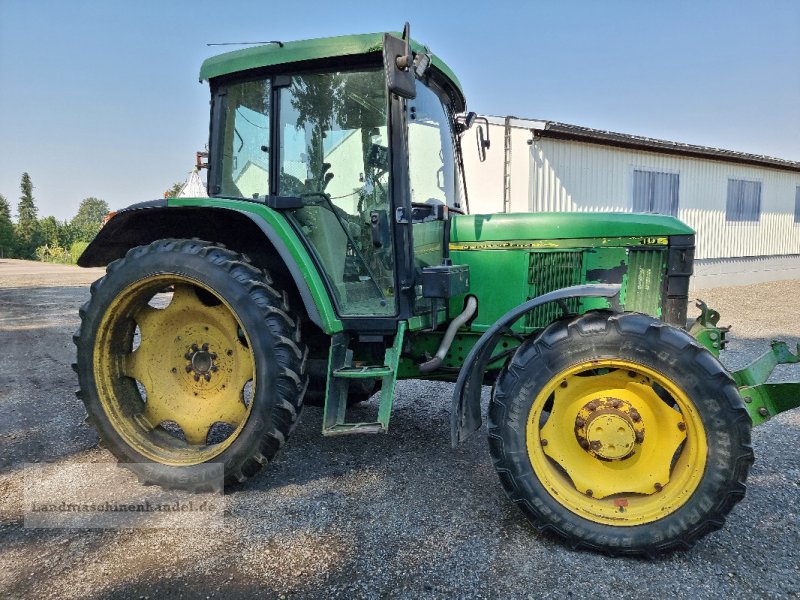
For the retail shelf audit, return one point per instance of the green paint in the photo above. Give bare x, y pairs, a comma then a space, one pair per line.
424, 345
503, 279
544, 227
363, 372
769, 399
705, 330
765, 400
341, 371
710, 337
330, 323
549, 271
331, 47
499, 279
391, 361
425, 320
759, 370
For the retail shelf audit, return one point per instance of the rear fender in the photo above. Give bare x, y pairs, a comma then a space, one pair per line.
246, 227
465, 417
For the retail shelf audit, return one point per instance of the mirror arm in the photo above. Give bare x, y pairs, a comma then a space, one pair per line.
398, 62
404, 62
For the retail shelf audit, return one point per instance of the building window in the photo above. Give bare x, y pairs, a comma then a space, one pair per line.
655, 192
797, 205
744, 201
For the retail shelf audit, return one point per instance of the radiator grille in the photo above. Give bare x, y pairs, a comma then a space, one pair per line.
550, 271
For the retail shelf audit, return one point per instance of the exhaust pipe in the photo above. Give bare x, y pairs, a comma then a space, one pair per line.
449, 336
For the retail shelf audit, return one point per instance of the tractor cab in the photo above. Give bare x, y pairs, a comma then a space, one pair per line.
354, 141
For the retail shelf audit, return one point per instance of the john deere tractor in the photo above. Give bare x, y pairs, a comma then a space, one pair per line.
335, 255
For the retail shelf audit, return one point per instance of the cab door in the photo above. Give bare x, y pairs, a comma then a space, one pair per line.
432, 175
333, 154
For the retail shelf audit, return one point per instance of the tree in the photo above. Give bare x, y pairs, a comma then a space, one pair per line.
89, 219
174, 190
5, 209
28, 232
51, 232
7, 238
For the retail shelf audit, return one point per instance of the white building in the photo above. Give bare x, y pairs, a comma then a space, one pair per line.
745, 208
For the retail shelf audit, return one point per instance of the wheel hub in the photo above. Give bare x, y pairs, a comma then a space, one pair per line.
609, 428
201, 362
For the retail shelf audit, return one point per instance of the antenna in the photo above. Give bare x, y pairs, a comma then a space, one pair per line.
280, 44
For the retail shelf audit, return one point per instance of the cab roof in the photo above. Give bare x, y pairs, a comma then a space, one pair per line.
320, 48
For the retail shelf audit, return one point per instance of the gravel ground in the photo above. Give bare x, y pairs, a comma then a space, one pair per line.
400, 515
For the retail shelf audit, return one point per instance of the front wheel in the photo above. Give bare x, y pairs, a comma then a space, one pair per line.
620, 434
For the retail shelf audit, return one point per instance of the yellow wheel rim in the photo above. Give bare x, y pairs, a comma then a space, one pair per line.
616, 442
174, 370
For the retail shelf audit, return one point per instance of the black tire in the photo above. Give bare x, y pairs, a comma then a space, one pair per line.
640, 340
265, 321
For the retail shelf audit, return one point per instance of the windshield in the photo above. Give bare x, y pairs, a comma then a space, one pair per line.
334, 154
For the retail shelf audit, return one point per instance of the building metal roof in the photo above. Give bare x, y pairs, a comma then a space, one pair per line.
565, 131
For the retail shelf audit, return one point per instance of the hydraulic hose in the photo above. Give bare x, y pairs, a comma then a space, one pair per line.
449, 336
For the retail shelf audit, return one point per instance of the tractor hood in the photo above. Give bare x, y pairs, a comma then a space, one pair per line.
558, 226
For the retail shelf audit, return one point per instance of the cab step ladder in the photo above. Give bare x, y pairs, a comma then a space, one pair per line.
341, 371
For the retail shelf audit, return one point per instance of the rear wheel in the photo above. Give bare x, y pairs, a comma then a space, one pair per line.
620, 434
187, 356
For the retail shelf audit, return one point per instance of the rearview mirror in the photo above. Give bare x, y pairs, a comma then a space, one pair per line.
483, 142
465, 121
421, 63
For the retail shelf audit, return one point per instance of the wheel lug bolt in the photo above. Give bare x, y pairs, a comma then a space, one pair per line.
682, 426
584, 444
639, 437
592, 406
194, 348
188, 368
580, 422
187, 356
544, 442
589, 493
635, 416
213, 356
214, 368
208, 376
197, 377
563, 384
595, 445
205, 347
658, 487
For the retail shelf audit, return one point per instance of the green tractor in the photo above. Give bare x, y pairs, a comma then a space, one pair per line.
335, 255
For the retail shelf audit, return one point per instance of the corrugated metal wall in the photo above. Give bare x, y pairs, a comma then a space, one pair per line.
556, 175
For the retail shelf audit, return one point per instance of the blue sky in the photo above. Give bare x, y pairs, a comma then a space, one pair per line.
101, 98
